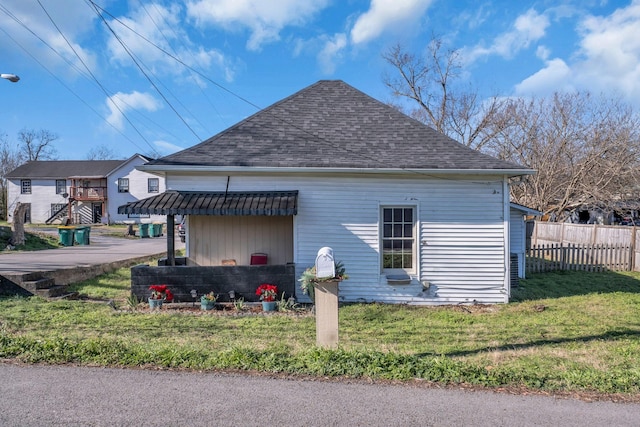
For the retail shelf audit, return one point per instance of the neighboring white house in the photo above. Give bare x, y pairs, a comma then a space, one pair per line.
85, 191
414, 216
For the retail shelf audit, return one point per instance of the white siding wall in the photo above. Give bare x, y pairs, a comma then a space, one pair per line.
517, 238
43, 194
138, 190
461, 226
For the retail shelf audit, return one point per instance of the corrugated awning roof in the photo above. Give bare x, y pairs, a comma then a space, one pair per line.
262, 203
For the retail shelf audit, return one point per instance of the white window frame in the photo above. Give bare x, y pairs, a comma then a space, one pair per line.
122, 188
25, 186
414, 238
64, 187
156, 188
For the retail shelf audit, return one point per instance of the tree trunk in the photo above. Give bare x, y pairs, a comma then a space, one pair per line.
18, 224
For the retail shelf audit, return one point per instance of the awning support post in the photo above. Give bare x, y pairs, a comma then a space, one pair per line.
171, 240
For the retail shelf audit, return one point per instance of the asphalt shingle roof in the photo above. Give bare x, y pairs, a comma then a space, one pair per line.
59, 169
330, 124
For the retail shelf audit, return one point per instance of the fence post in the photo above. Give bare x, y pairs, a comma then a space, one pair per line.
632, 249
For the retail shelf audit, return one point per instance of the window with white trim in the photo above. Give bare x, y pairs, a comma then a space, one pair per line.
153, 185
25, 186
123, 185
398, 238
61, 186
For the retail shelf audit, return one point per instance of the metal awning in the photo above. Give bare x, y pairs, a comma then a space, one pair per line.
258, 203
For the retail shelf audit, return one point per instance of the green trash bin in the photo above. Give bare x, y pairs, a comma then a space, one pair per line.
143, 230
66, 235
157, 229
82, 235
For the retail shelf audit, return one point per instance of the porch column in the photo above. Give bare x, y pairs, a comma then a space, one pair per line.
171, 242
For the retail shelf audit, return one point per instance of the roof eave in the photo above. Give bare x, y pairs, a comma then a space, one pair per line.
330, 170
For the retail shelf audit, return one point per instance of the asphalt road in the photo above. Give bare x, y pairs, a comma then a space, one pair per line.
79, 396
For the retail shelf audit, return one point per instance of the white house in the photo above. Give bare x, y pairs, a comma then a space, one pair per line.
86, 191
414, 216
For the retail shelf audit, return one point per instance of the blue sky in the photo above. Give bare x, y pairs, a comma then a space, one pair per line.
79, 81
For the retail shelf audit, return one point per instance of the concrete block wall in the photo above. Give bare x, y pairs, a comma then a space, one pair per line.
242, 279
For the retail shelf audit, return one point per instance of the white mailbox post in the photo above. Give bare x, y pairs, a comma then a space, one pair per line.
326, 299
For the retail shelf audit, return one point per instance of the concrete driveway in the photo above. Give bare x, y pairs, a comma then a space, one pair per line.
102, 254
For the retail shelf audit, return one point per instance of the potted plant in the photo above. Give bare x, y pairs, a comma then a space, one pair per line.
159, 294
208, 301
268, 294
308, 279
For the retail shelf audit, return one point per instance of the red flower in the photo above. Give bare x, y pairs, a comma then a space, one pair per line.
267, 292
161, 292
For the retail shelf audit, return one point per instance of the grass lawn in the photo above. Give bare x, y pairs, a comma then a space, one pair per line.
563, 333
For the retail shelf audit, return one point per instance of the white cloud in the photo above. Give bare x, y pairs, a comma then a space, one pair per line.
607, 61
610, 52
331, 52
126, 102
387, 15
556, 76
72, 21
162, 27
165, 148
263, 18
527, 28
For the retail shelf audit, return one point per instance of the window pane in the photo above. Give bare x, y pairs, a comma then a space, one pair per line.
387, 215
408, 215
386, 230
407, 261
397, 215
397, 230
408, 230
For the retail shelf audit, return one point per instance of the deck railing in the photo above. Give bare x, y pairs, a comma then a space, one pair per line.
89, 193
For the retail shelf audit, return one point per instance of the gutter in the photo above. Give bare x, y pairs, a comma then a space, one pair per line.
329, 170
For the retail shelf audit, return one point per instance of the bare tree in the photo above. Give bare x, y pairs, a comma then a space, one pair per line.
102, 152
37, 145
432, 83
9, 160
585, 151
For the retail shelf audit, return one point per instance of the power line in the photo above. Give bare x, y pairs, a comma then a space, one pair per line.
134, 59
55, 76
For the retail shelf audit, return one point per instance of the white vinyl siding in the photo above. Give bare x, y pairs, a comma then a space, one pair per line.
138, 190
461, 232
517, 238
41, 198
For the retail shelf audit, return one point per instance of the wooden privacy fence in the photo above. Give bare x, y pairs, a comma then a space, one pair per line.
583, 257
